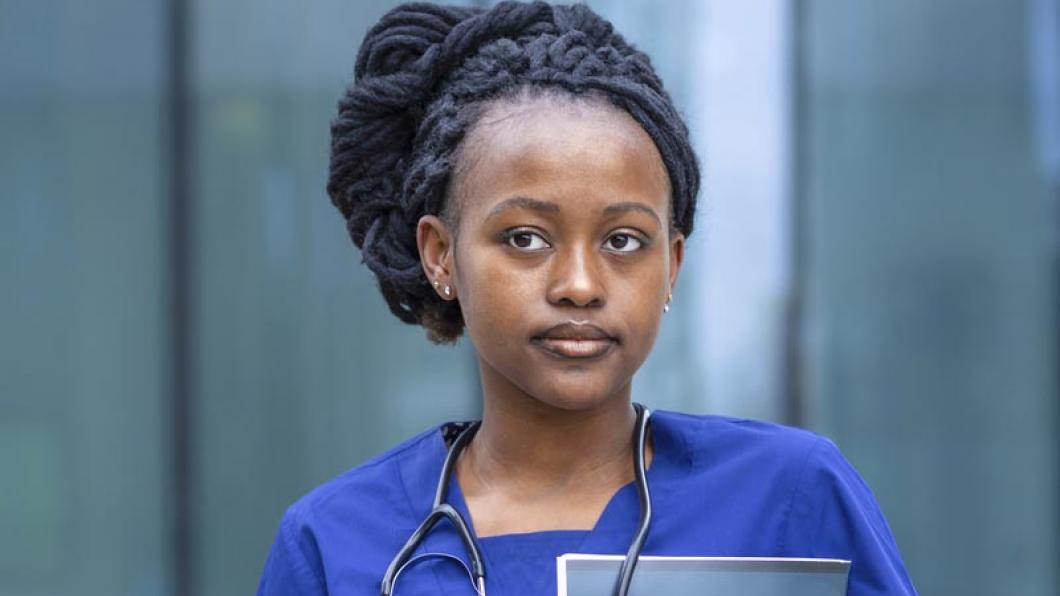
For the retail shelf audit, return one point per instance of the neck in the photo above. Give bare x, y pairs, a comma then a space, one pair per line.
526, 443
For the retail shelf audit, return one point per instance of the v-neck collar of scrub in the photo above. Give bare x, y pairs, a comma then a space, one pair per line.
670, 455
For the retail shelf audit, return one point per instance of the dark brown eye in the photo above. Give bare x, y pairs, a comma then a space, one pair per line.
623, 243
525, 240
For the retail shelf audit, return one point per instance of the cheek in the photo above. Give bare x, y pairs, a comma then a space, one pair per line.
493, 294
640, 294
642, 284
641, 298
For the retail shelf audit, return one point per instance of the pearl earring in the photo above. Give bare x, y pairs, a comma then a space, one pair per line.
446, 290
666, 307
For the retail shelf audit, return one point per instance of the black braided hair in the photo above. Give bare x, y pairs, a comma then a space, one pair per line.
422, 76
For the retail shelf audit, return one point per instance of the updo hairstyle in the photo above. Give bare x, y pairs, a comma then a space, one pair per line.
422, 76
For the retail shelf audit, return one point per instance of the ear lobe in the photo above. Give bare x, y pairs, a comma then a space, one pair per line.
434, 242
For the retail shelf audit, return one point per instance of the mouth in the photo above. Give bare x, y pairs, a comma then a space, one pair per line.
575, 340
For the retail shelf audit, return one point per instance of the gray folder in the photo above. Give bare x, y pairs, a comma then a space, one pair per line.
595, 575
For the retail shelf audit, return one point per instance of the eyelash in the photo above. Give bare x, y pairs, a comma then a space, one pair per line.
509, 235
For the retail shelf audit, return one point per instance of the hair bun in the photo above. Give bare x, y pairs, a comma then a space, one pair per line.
405, 36
372, 135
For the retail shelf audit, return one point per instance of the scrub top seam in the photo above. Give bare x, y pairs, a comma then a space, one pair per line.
398, 466
689, 442
795, 490
301, 561
690, 452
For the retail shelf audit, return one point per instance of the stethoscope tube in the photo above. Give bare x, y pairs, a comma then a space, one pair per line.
640, 440
441, 510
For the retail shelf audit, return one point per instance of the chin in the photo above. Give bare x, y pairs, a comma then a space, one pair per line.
569, 386
575, 396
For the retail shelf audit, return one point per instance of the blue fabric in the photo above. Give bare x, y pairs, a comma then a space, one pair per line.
720, 486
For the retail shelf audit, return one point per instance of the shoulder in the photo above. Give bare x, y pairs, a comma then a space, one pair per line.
809, 467
834, 514
380, 480
709, 440
749, 465
795, 485
368, 510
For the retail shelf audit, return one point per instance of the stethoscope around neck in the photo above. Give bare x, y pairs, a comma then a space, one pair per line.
442, 510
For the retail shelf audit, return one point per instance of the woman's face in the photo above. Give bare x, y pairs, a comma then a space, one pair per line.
563, 257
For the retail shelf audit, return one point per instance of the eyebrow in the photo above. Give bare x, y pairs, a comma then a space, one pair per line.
523, 203
548, 207
632, 206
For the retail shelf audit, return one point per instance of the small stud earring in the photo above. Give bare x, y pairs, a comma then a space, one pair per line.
436, 284
666, 307
447, 292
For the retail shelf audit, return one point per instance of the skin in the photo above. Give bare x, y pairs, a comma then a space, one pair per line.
564, 216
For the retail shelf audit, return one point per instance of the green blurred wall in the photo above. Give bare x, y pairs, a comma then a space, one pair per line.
931, 324
83, 446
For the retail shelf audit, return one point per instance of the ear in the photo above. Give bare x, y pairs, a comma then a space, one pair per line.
435, 243
677, 257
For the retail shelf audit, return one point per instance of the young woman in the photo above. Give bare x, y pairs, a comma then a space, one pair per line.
519, 174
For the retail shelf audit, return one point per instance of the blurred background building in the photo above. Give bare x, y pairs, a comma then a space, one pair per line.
189, 342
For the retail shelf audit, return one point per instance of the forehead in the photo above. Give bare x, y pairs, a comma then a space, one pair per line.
581, 154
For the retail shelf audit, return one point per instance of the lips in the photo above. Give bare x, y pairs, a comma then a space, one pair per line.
575, 340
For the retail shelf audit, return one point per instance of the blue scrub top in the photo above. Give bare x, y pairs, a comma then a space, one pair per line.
720, 487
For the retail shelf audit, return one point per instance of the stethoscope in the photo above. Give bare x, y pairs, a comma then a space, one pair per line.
440, 509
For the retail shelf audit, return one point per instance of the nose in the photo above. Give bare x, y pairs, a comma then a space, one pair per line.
576, 279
